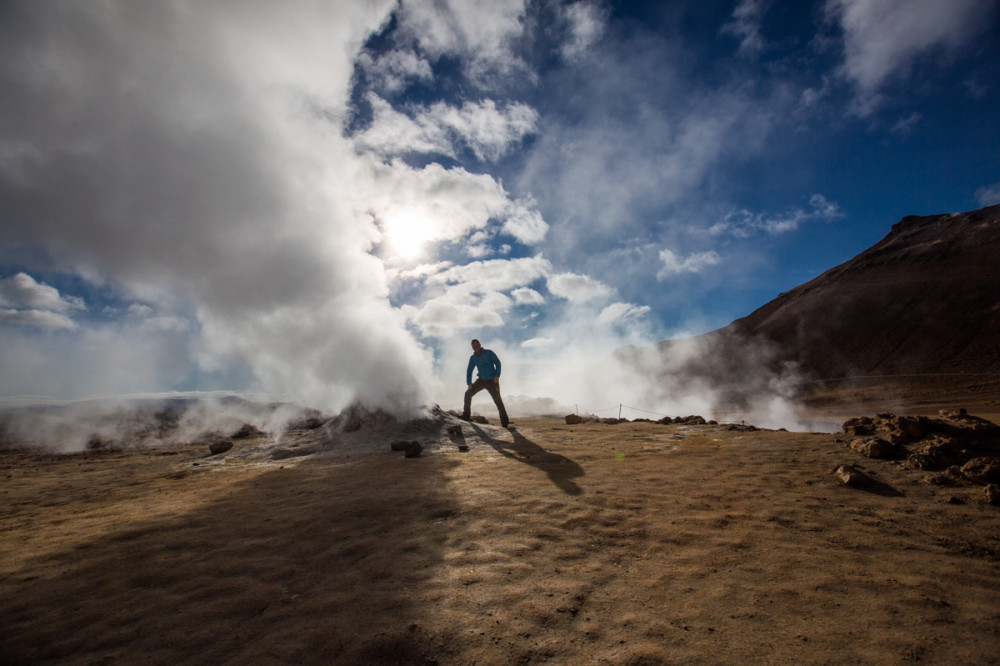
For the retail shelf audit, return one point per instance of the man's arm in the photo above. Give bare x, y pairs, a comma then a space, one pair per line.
468, 371
496, 364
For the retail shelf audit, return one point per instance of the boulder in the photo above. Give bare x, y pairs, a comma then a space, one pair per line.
455, 430
912, 428
413, 449
950, 477
399, 445
853, 477
573, 419
862, 426
873, 447
220, 446
982, 470
992, 494
247, 431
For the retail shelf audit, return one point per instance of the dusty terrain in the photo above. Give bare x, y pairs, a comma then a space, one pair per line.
634, 543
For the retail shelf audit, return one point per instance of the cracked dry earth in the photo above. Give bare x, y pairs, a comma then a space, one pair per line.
634, 543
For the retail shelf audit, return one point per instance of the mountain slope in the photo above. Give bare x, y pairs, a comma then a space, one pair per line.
920, 307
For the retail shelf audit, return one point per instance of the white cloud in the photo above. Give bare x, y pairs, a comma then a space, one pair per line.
22, 291
527, 296
744, 223
472, 295
693, 263
39, 318
989, 195
537, 342
448, 203
745, 25
905, 126
577, 288
620, 312
489, 132
391, 72
883, 38
494, 275
480, 32
585, 23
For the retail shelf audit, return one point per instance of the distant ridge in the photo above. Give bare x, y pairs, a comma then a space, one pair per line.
919, 309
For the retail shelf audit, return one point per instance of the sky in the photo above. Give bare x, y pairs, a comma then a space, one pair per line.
324, 201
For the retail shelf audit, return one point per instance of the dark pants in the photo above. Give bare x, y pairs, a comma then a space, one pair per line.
489, 385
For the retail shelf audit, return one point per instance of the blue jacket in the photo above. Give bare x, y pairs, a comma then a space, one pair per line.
486, 363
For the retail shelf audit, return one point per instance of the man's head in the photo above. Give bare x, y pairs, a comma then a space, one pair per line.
476, 347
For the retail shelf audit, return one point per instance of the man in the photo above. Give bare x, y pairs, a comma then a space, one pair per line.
488, 368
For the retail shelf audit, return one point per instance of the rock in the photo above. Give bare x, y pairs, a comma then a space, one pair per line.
982, 470
220, 446
874, 447
912, 428
455, 430
992, 493
463, 447
399, 445
741, 427
413, 449
247, 431
862, 426
353, 424
573, 419
853, 477
953, 414
950, 477
480, 419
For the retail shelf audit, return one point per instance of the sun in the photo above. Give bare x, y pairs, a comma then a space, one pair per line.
409, 230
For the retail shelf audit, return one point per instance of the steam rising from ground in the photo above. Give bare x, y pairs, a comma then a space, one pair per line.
128, 423
197, 164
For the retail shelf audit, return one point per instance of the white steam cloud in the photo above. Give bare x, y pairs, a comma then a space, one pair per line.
267, 223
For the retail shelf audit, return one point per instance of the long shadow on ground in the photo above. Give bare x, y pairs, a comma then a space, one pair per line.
297, 566
560, 469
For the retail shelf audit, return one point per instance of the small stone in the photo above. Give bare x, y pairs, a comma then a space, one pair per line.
853, 477
454, 430
992, 493
573, 419
413, 449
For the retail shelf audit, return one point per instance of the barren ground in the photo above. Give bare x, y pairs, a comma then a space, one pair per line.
634, 543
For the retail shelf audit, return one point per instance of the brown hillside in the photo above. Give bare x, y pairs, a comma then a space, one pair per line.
919, 311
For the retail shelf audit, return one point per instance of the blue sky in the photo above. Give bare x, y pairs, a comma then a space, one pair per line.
326, 201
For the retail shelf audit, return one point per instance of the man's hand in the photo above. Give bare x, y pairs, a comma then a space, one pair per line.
496, 380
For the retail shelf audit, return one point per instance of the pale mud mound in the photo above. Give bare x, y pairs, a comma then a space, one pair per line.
357, 430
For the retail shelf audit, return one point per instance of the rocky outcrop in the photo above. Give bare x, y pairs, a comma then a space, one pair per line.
962, 448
